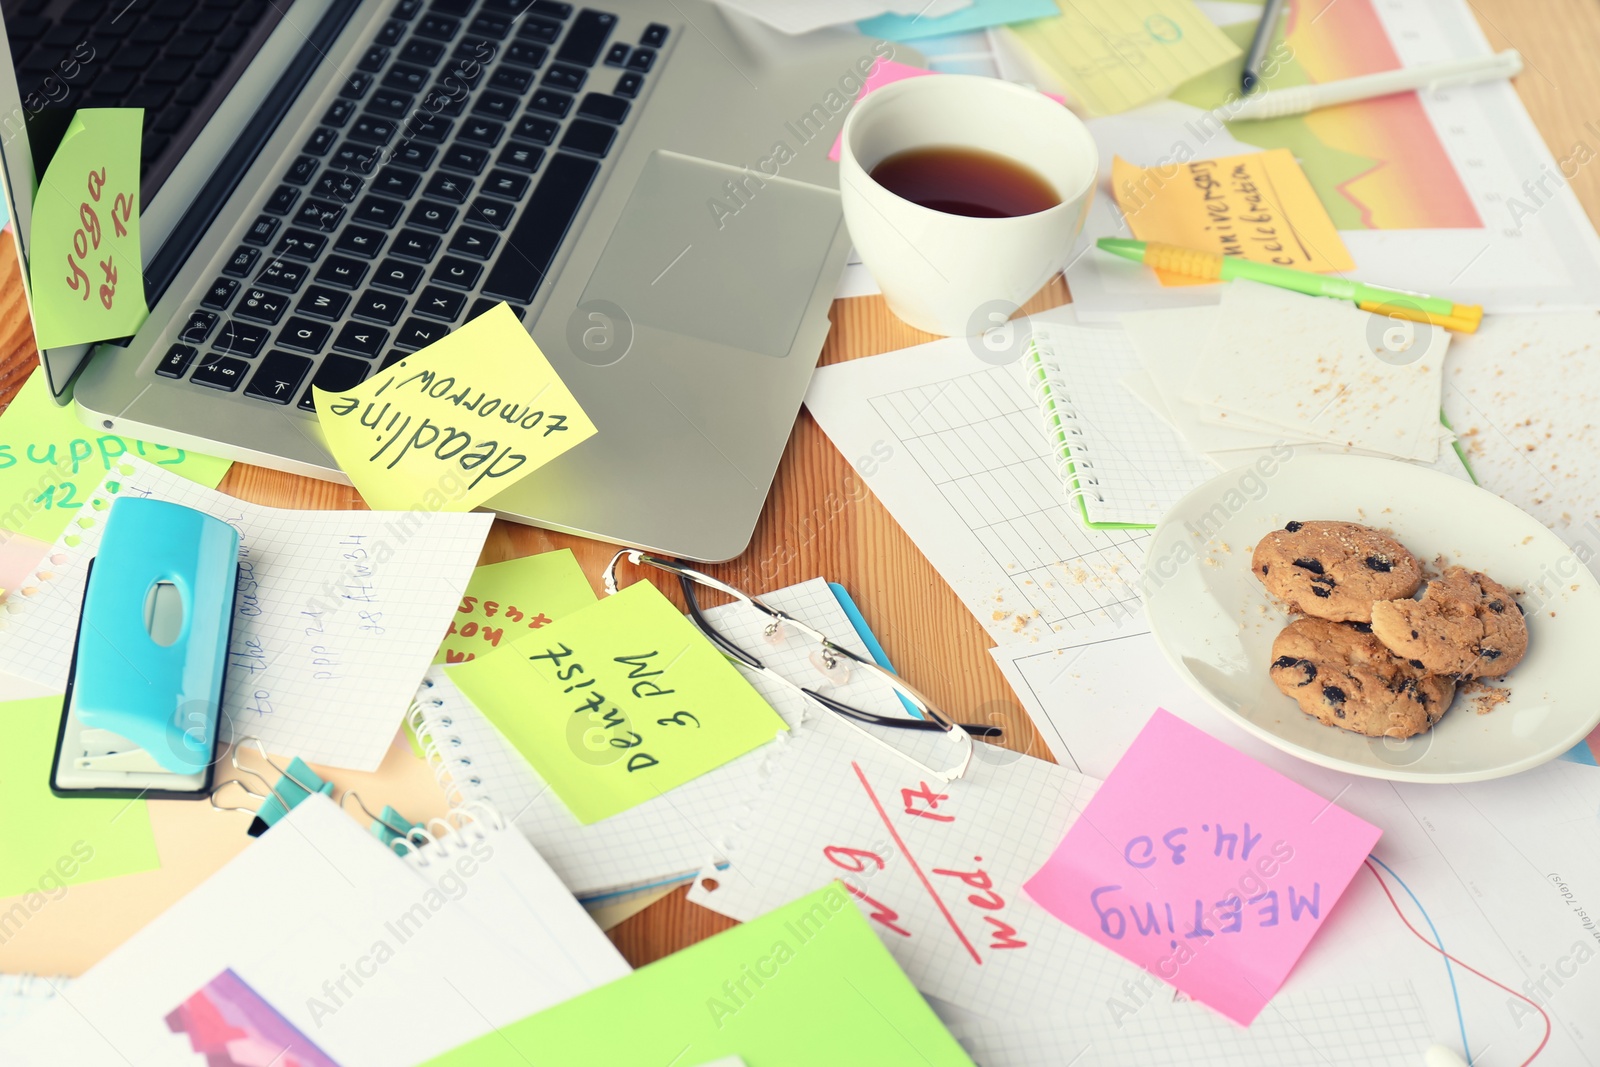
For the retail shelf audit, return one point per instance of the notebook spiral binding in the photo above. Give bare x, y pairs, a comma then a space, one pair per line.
430, 720
1064, 425
446, 837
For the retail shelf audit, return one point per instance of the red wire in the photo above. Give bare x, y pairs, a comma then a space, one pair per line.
1396, 905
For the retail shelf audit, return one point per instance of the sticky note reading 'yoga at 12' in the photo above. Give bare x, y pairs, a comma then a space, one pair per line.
805, 984
1204, 867
506, 600
619, 702
84, 266
1259, 206
466, 417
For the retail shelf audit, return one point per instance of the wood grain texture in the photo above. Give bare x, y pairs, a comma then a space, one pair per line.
820, 520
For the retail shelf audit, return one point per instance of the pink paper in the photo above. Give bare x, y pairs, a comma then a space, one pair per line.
887, 72
1204, 867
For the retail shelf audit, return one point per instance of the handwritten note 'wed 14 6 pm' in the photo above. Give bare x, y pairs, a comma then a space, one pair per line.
464, 418
1204, 867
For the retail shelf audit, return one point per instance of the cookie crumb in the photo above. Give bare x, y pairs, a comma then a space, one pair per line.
1485, 698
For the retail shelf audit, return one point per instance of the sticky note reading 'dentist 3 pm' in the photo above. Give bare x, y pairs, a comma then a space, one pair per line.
84, 266
466, 417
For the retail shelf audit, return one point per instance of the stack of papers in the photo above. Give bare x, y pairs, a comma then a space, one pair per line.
804, 16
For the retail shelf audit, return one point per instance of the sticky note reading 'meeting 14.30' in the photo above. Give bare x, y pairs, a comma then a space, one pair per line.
618, 702
466, 417
1204, 867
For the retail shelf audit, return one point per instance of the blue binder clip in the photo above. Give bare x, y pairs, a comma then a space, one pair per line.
144, 695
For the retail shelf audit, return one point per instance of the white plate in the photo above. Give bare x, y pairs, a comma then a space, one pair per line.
1216, 623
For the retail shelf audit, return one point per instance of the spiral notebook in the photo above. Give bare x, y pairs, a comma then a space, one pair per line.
1121, 464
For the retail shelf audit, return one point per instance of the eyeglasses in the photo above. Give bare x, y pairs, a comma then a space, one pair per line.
832, 659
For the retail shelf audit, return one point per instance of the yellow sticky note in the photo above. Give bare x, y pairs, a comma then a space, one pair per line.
506, 600
1258, 207
618, 703
1117, 54
84, 266
464, 418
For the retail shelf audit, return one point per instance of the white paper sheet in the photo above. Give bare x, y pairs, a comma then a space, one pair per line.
336, 618
803, 16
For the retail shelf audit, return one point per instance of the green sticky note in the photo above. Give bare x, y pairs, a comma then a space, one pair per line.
50, 843
619, 702
50, 462
84, 266
506, 600
808, 983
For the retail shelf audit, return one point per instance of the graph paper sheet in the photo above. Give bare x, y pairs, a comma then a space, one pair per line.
956, 449
673, 835
336, 617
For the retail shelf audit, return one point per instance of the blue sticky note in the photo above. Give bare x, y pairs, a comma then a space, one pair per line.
980, 16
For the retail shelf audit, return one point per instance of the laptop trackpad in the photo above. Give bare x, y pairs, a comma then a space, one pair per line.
718, 253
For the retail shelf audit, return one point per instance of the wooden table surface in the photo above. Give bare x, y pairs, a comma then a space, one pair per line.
927, 632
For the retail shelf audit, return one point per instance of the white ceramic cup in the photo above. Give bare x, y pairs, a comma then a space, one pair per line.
954, 274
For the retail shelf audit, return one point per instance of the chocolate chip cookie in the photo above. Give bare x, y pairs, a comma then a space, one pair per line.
1343, 675
1335, 570
1466, 624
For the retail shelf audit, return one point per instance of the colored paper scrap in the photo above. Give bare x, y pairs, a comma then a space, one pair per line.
980, 16
84, 265
505, 600
50, 462
619, 702
466, 417
228, 1022
1204, 867
51, 843
1117, 54
805, 984
1259, 206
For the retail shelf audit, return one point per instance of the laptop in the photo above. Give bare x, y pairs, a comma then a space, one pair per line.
329, 185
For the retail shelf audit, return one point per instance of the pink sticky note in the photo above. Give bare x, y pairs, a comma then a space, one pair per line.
1204, 867
887, 72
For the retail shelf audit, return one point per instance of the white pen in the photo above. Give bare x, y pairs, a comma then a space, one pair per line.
1296, 100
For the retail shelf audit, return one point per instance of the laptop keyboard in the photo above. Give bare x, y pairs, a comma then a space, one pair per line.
441, 182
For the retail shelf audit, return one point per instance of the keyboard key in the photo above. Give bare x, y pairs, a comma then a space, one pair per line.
284, 274
550, 8
405, 78
537, 130
394, 356
281, 200
322, 302
379, 307
219, 296
487, 212
338, 185
359, 241
360, 158
642, 60
198, 328
261, 230
534, 242
319, 215
262, 305
392, 181
378, 211
391, 33
437, 303
371, 129
429, 129
300, 244
373, 59
336, 374
481, 131
432, 215
322, 139
423, 53
460, 273
279, 375
525, 54
513, 79
541, 30
176, 361
220, 372
497, 106
590, 138
629, 85
617, 55
243, 262
413, 244
438, 27
393, 274
587, 37
342, 272
465, 158
478, 244
446, 101
413, 154
603, 108
654, 36
303, 335
449, 187
356, 86
241, 339
452, 7
523, 157
390, 104
504, 183
419, 333
492, 26
302, 171
363, 341
550, 102
561, 76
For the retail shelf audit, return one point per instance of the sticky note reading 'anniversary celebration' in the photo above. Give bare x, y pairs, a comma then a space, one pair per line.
619, 702
84, 266
506, 600
1258, 207
1202, 866
466, 417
